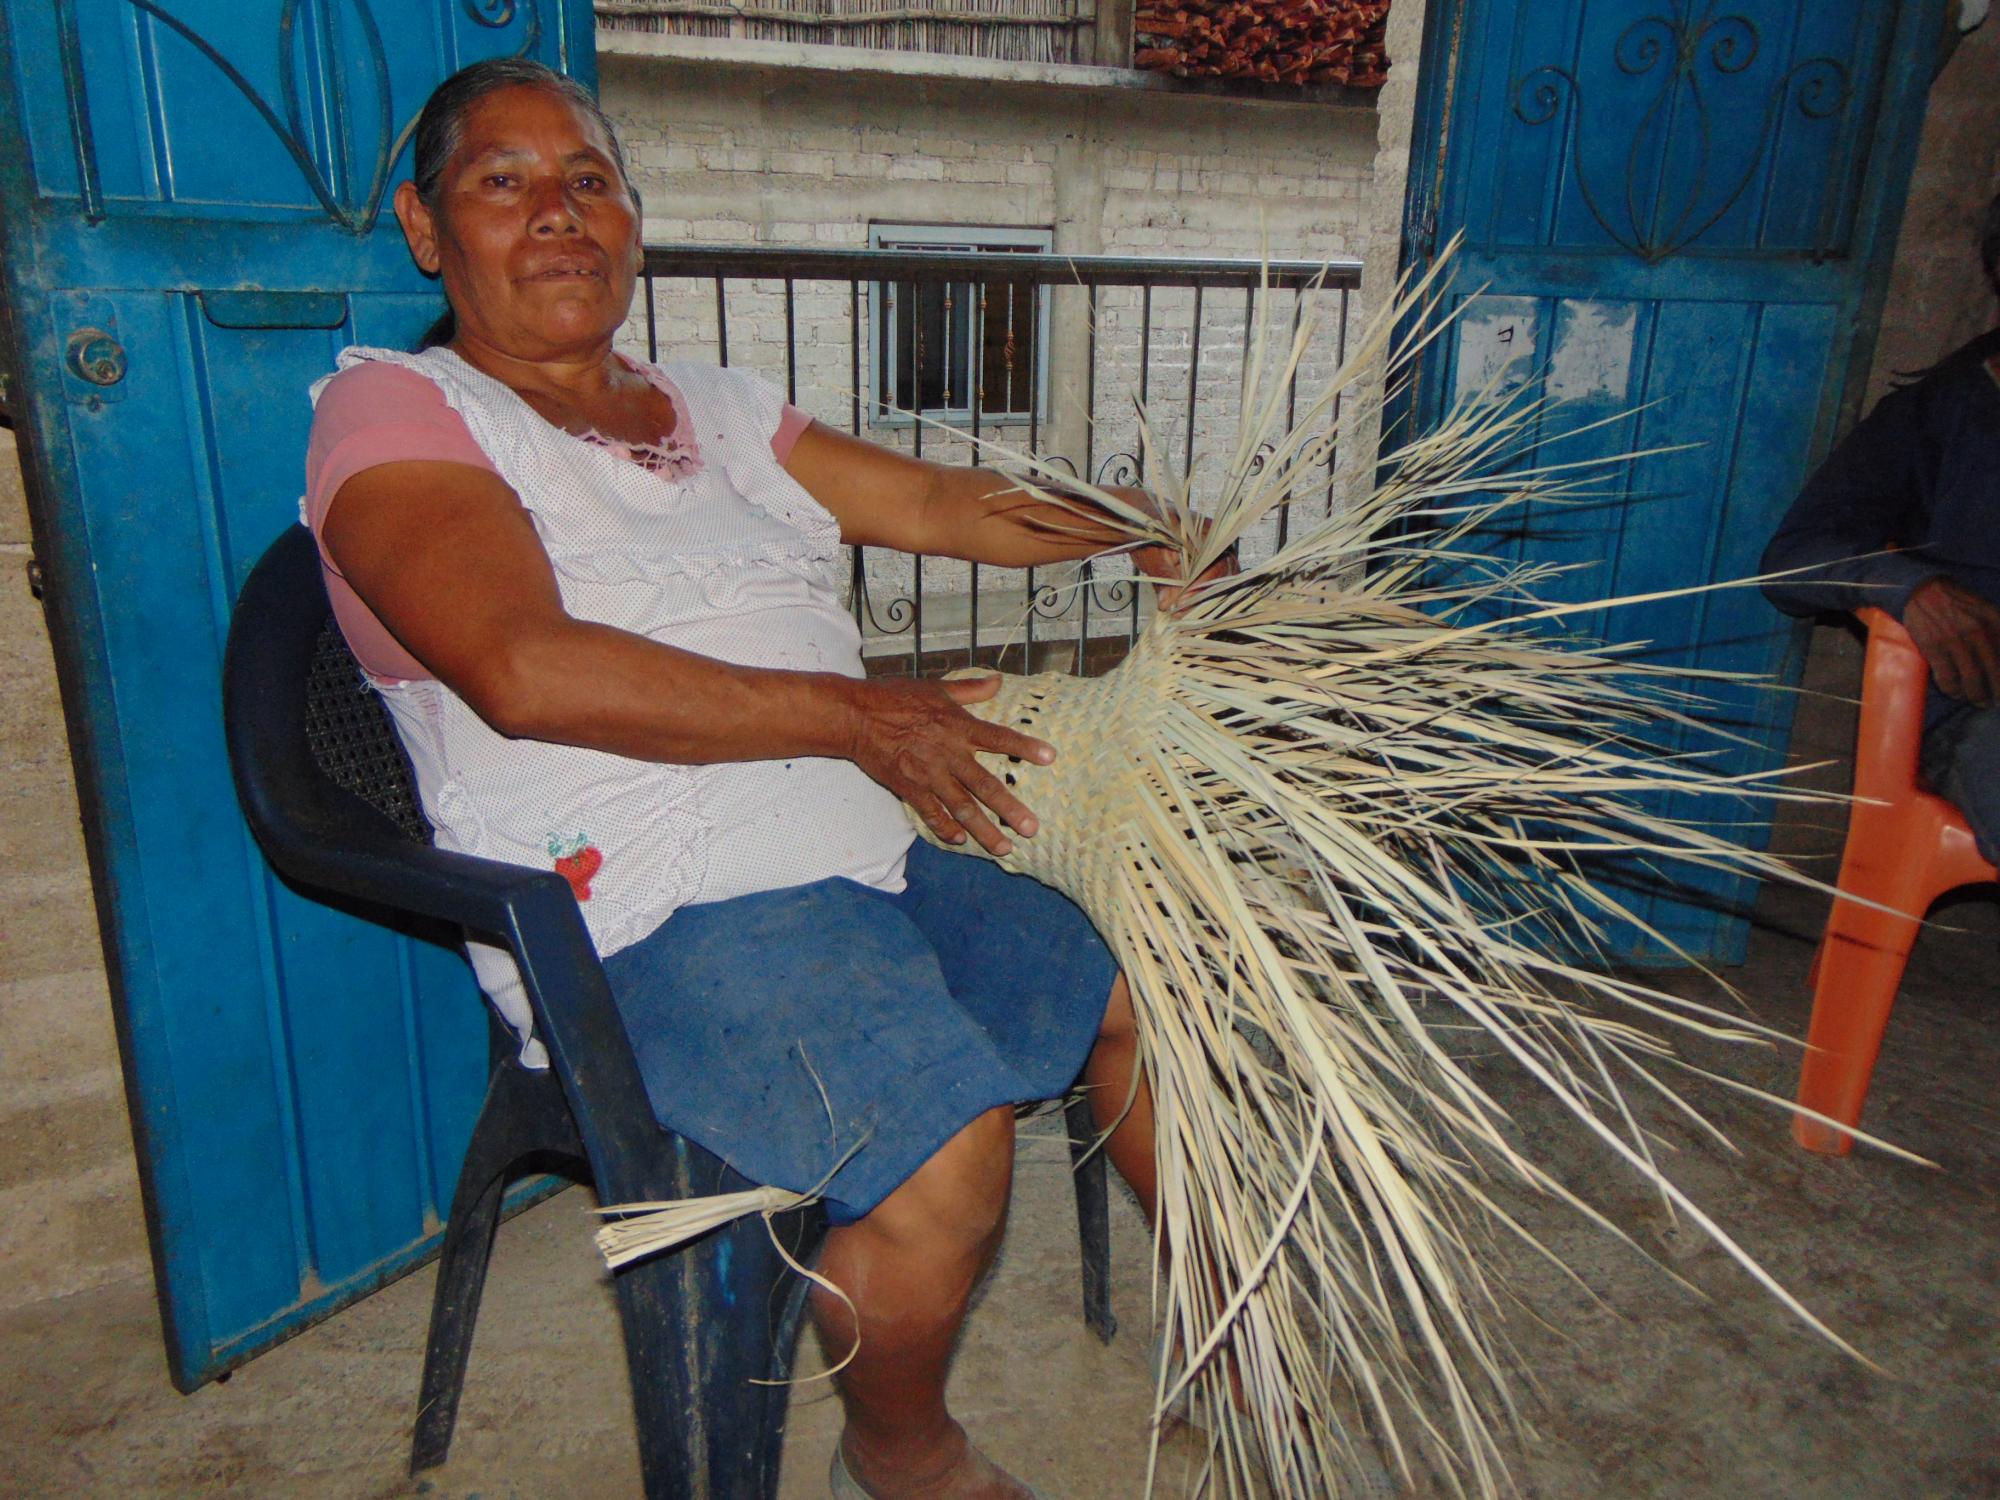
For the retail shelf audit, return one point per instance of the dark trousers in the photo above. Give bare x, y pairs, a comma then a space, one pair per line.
1961, 760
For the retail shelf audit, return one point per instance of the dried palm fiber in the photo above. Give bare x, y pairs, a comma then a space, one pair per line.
1338, 813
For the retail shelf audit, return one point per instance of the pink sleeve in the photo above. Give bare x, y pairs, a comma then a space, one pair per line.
369, 415
790, 424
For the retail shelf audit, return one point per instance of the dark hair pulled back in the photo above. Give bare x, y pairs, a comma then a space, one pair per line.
441, 131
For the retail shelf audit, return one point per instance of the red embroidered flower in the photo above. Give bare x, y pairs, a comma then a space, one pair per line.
576, 860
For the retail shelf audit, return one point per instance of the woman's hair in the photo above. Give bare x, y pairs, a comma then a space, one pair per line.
441, 131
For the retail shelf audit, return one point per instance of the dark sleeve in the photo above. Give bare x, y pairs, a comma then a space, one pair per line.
1871, 493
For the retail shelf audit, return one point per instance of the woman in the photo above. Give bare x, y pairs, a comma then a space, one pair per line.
600, 601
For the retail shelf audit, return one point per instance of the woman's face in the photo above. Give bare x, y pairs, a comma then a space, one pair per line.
533, 231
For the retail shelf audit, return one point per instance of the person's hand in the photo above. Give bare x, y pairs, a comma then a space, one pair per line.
1159, 563
1958, 633
916, 739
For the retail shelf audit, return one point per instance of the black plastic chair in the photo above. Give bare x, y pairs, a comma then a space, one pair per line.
330, 797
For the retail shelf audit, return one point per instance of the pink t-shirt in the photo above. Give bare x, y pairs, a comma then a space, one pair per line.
378, 413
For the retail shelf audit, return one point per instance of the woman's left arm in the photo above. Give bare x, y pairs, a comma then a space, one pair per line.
887, 499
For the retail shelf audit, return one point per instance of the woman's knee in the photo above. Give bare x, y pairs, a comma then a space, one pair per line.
1119, 1025
960, 1194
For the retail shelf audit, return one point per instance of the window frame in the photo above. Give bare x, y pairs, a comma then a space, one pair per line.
883, 321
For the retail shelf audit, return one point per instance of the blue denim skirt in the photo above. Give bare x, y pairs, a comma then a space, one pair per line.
832, 1036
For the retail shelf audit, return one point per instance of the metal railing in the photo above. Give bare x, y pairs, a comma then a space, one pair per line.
822, 324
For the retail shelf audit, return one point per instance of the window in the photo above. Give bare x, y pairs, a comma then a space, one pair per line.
938, 344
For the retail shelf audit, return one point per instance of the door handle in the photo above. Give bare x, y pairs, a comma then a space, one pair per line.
260, 309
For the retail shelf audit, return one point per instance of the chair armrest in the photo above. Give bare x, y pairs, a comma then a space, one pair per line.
534, 912
1895, 681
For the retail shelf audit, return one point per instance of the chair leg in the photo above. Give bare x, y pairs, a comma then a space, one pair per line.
703, 1325
523, 1112
1859, 970
461, 1280
1093, 1216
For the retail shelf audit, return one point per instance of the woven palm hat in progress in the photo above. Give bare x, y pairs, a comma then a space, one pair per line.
1345, 818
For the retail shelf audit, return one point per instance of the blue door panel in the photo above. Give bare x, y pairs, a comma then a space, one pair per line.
1674, 211
188, 879
1595, 140
206, 188
1527, 180
392, 322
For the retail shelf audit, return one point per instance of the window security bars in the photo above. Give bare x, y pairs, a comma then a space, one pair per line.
982, 332
1117, 333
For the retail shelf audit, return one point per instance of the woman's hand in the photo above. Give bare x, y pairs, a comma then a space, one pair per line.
1159, 563
915, 738
1958, 633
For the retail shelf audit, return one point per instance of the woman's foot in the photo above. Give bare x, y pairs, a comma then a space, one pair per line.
951, 1469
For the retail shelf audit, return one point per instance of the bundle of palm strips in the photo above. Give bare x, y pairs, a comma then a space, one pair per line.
1272, 41
1341, 819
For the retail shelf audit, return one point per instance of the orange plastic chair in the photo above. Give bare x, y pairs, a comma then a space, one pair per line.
1905, 848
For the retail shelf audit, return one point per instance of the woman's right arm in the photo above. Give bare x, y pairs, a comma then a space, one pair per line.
448, 559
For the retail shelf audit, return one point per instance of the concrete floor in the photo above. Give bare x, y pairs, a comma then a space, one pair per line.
1657, 1392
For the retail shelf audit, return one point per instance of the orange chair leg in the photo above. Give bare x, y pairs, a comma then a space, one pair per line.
1859, 969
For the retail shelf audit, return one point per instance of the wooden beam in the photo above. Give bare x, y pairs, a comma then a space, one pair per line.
1114, 34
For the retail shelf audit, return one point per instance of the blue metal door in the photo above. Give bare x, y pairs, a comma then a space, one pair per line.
193, 203
1677, 216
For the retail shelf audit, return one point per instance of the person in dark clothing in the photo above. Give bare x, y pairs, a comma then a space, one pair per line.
1921, 475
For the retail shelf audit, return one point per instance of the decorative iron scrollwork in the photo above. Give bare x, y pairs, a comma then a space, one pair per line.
1693, 42
896, 618
357, 216
1119, 469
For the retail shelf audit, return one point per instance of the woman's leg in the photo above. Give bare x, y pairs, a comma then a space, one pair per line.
1108, 1074
910, 1268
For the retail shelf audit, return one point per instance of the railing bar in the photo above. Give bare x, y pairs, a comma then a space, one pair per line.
1034, 361
975, 360
1249, 328
1086, 581
652, 324
854, 424
914, 306
791, 347
1194, 373
1291, 413
916, 318
721, 324
1339, 359
944, 355
1145, 367
854, 356
1043, 269
1007, 354
1090, 395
